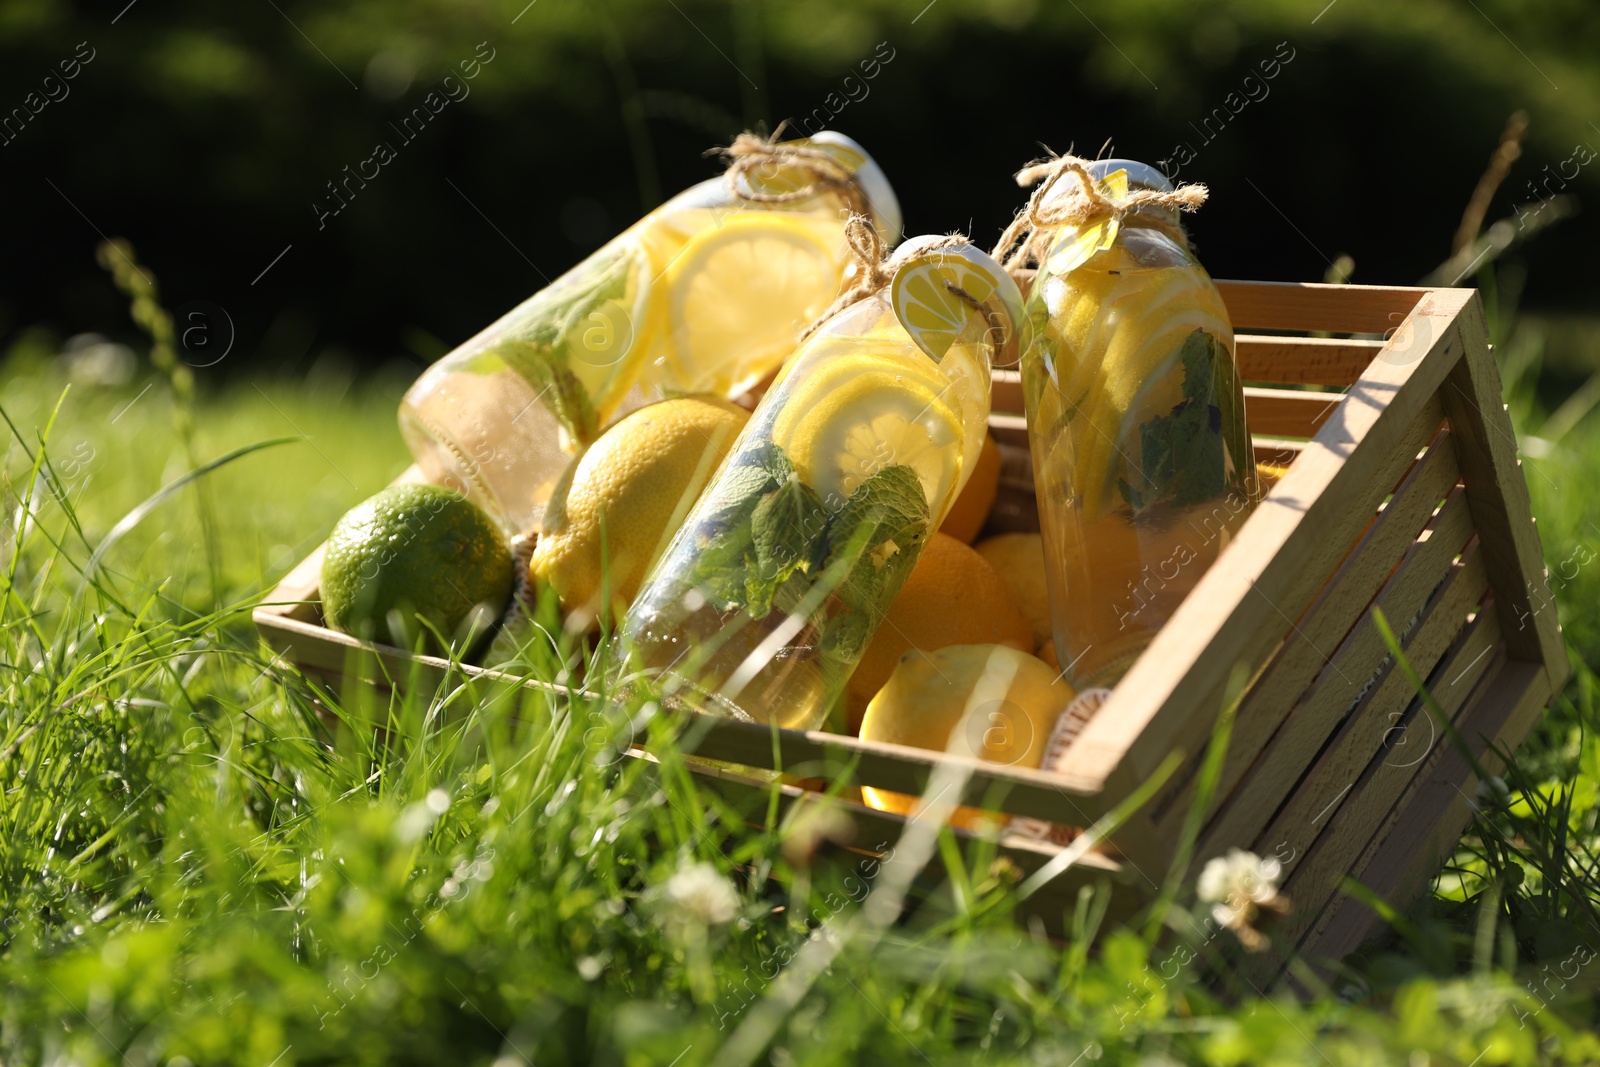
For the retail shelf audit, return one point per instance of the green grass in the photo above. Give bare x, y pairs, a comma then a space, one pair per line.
201, 862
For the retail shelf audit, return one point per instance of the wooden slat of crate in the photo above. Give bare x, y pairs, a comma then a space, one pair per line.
1272, 450
1261, 358
1487, 449
1316, 799
1271, 413
1341, 605
1364, 822
1350, 666
1053, 797
1011, 432
1009, 429
1005, 395
1370, 309
1170, 698
1302, 360
1016, 509
1424, 826
1288, 412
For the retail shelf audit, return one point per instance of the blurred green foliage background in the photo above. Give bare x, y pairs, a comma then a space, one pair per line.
207, 133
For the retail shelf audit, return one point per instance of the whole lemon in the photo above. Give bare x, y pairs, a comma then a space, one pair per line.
413, 564
990, 702
622, 500
953, 597
1019, 560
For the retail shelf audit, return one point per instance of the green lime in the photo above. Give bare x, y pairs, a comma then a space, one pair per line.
413, 562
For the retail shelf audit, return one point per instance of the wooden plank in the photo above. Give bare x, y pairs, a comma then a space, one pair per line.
1242, 608
1011, 432
1422, 831
1288, 412
1303, 360
1032, 793
1313, 307
1319, 797
1486, 446
1280, 360
1314, 872
1279, 453
1005, 392
1343, 606
1009, 429
315, 649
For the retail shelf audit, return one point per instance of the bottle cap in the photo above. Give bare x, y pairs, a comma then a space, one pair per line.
885, 207
1140, 175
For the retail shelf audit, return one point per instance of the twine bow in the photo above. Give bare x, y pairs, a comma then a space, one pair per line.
872, 270
750, 151
1025, 241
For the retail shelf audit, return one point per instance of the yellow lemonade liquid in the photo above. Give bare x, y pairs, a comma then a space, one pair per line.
707, 294
1142, 461
769, 593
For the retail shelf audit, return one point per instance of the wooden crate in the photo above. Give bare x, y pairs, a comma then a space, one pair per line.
1403, 493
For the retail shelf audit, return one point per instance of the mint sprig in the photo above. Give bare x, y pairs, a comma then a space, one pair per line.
1183, 455
542, 351
768, 539
873, 542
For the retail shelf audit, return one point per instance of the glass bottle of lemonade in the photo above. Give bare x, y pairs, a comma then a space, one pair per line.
706, 294
774, 585
1142, 461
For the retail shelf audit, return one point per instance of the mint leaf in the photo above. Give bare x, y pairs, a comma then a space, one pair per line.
873, 542
1182, 455
786, 523
558, 314
722, 559
747, 477
783, 526
846, 636
728, 565
556, 385
541, 351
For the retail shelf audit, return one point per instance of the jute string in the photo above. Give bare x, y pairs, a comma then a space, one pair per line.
872, 269
750, 151
1025, 242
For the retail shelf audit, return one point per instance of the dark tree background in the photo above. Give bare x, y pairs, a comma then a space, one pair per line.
207, 134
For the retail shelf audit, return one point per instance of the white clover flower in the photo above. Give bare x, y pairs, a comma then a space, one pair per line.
1239, 875
1236, 886
1492, 792
696, 897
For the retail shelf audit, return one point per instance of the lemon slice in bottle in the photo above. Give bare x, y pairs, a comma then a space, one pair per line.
868, 415
740, 294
